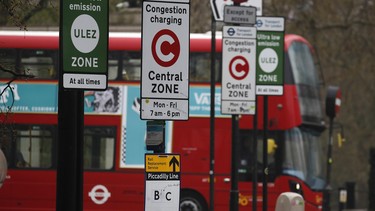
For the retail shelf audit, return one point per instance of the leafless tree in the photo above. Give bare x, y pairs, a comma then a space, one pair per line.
6, 109
18, 12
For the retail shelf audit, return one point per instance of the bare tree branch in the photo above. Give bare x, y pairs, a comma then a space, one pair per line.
15, 74
37, 8
20, 12
8, 86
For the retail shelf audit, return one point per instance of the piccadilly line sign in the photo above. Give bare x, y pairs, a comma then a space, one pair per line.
85, 44
162, 182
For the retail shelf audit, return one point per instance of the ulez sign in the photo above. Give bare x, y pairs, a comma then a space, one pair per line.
270, 55
85, 44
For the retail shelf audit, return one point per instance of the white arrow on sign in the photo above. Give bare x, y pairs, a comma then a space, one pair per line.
217, 7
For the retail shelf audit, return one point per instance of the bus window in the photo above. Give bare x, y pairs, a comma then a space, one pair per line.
113, 65
246, 155
302, 64
39, 63
315, 175
295, 159
33, 147
246, 152
131, 69
200, 67
99, 148
307, 82
7, 61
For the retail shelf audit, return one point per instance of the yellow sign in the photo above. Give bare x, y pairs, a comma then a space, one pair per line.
162, 163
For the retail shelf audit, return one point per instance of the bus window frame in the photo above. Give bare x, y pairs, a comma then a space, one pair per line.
14, 151
113, 165
11, 151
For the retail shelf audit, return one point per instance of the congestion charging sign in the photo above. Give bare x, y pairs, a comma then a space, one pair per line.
165, 60
270, 54
238, 70
85, 44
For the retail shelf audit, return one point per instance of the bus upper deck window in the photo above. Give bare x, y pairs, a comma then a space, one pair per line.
200, 67
112, 69
8, 61
113, 65
39, 63
131, 69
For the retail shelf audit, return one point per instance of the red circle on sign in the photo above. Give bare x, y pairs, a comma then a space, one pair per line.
239, 67
165, 52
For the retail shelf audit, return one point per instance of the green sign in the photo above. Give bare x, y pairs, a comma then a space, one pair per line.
85, 44
270, 56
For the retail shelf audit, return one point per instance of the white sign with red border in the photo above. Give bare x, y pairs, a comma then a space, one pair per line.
165, 60
238, 73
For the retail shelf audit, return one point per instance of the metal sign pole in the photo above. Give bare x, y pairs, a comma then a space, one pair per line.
255, 159
70, 151
235, 161
265, 152
235, 156
212, 113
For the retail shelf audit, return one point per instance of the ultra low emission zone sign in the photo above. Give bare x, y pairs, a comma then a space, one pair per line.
238, 73
85, 44
162, 177
270, 54
165, 60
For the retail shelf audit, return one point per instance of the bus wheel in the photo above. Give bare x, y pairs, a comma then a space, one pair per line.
192, 201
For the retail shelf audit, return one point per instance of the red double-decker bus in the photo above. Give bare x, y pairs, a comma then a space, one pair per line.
114, 135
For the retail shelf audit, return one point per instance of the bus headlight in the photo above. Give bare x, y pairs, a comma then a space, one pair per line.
295, 187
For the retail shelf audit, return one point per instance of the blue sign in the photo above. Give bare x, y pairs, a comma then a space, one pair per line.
29, 98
